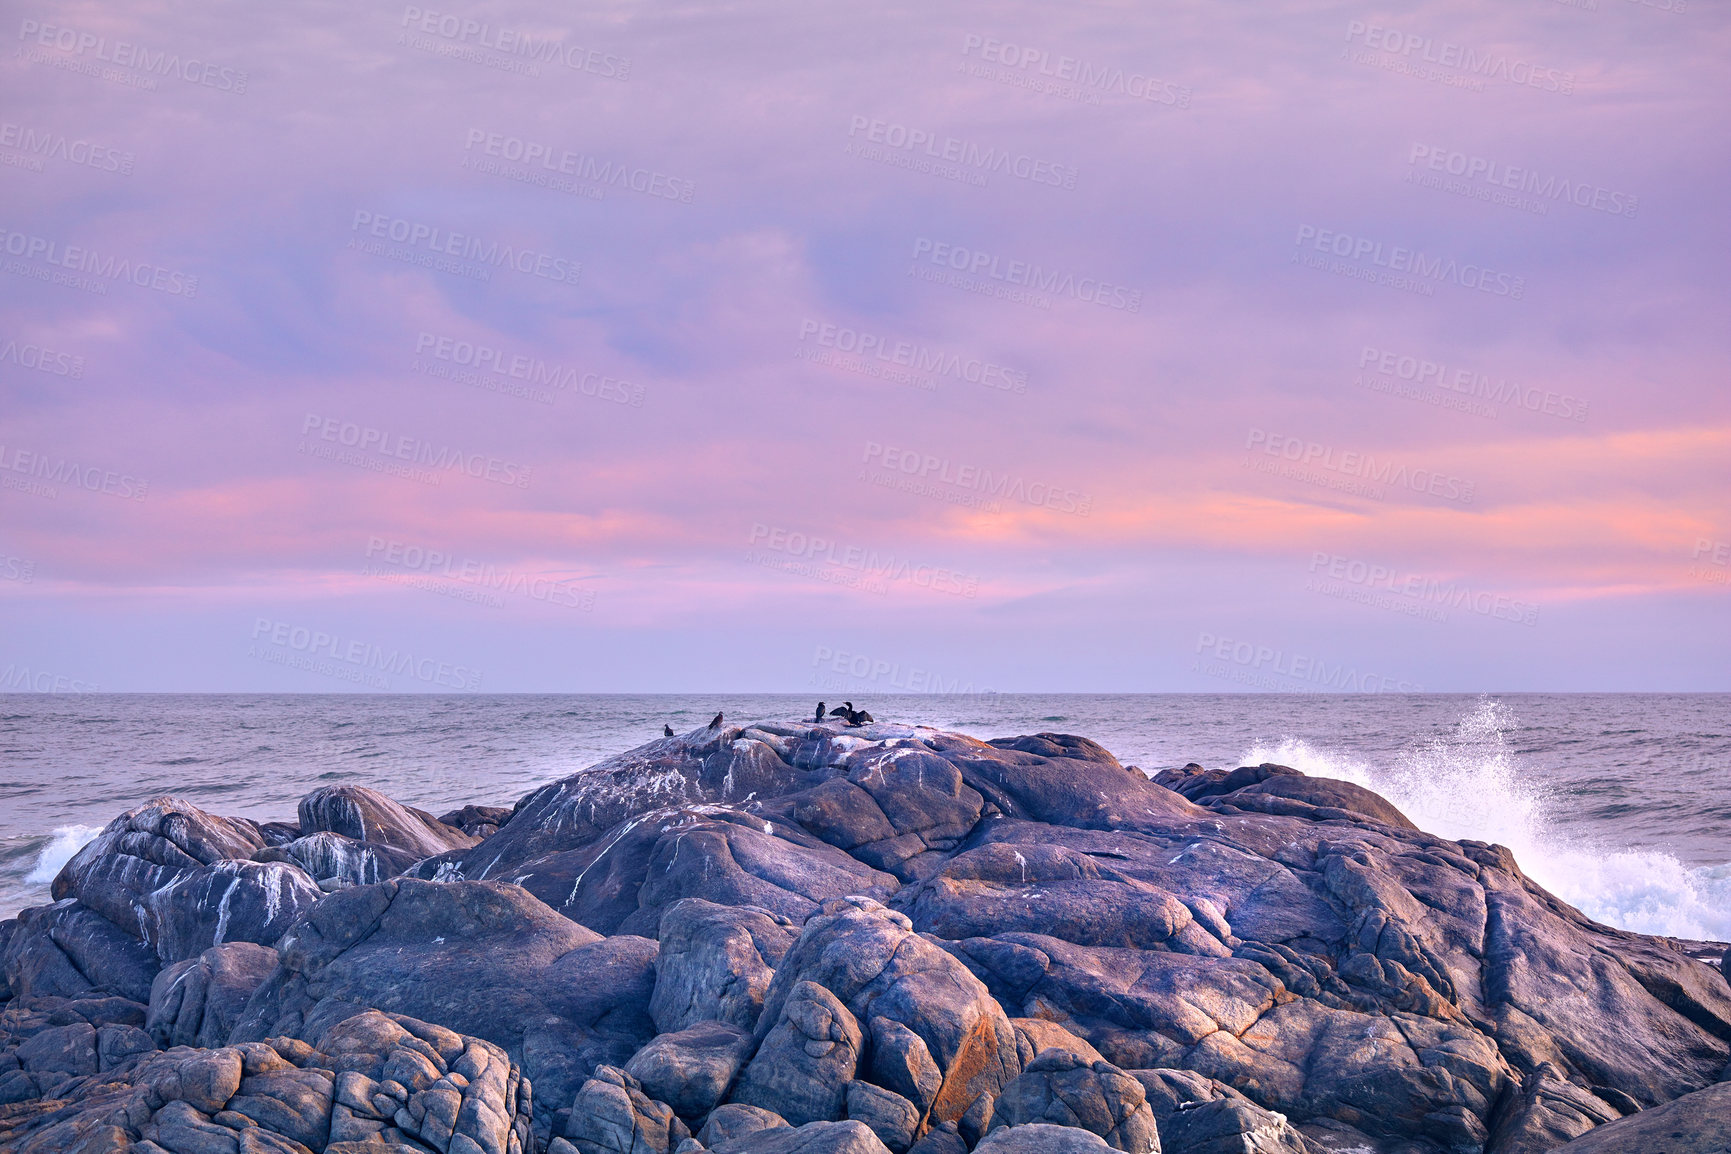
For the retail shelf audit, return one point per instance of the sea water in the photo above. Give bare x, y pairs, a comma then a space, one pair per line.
1618, 803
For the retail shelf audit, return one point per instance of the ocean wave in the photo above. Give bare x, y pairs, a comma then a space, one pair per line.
1471, 786
65, 841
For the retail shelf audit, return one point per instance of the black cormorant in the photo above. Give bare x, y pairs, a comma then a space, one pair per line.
819, 717
666, 730
715, 722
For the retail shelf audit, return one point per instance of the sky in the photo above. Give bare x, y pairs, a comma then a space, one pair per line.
523, 347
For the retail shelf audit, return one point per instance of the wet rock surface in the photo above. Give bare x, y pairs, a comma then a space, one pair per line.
821, 938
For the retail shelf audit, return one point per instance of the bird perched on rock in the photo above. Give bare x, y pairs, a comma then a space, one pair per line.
854, 717
666, 730
819, 717
715, 722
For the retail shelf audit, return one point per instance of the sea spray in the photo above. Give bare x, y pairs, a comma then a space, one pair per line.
1470, 785
65, 841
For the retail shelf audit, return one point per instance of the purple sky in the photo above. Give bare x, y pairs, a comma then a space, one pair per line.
1014, 347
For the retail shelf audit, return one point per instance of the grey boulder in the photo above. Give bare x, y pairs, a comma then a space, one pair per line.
369, 817
612, 1115
1041, 1138
1064, 1089
812, 1138
807, 1057
197, 1002
1698, 1123
875, 965
691, 1069
715, 963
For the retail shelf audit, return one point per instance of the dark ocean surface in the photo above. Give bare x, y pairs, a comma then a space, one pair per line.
1619, 803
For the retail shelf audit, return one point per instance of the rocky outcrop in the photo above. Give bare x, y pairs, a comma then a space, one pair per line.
199, 1001
812, 938
379, 1082
369, 817
612, 1115
1698, 1123
1063, 1089
715, 963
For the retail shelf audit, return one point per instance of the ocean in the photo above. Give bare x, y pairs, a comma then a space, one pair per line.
1618, 803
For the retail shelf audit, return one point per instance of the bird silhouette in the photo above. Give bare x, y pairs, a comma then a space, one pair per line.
854, 717
715, 722
819, 717
666, 730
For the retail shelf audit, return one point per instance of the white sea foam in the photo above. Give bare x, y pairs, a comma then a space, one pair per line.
65, 841
1471, 786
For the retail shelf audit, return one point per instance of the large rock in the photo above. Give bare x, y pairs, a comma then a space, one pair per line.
704, 767
691, 1069
807, 1057
369, 817
900, 808
1042, 1138
715, 963
380, 1081
480, 958
333, 856
68, 950
1698, 1123
1004, 888
612, 1115
197, 1002
181, 880
1061, 1088
875, 965
145, 848
622, 879
1247, 944
230, 901
813, 1138
736, 1120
